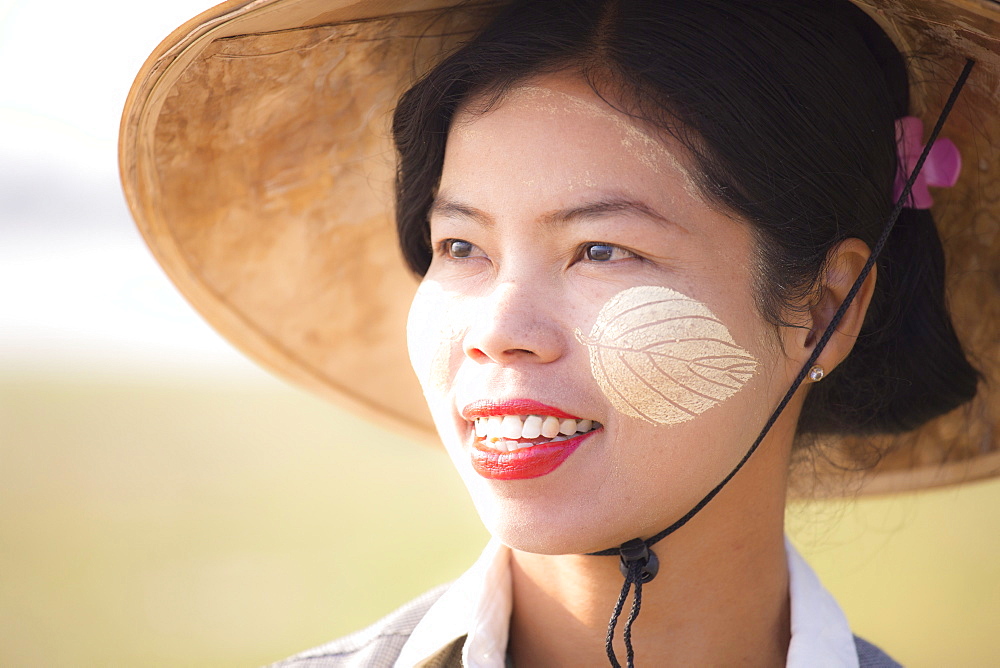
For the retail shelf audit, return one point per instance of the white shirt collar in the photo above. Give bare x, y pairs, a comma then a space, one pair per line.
478, 606
821, 636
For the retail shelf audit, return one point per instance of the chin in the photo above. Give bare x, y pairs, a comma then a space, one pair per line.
551, 539
544, 525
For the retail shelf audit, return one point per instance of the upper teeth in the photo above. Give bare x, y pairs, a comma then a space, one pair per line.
512, 427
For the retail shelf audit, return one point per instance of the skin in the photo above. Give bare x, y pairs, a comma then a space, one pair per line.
663, 357
431, 335
519, 289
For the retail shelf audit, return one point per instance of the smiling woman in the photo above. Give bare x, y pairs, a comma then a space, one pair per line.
514, 234
667, 251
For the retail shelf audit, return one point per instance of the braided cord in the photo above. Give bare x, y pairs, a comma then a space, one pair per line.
632, 578
609, 638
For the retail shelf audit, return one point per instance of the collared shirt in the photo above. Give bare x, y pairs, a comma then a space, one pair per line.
478, 606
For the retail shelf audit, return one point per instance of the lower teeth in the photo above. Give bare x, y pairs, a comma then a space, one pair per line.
495, 445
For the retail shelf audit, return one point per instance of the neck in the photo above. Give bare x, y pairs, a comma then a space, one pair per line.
720, 598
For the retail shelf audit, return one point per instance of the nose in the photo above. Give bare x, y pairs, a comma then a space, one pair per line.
515, 324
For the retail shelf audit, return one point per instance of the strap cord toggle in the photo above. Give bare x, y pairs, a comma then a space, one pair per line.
637, 552
639, 565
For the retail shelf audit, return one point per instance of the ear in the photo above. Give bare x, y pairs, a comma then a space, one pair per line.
843, 266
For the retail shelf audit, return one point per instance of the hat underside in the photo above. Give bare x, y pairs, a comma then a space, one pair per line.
257, 160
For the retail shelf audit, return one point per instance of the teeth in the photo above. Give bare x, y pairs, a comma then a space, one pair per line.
511, 426
504, 431
493, 428
550, 427
532, 427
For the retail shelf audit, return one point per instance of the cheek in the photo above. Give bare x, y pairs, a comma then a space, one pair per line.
434, 338
662, 357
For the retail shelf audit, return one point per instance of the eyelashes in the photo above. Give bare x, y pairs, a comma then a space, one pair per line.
604, 252
596, 252
459, 249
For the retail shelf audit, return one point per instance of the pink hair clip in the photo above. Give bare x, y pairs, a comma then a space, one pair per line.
940, 169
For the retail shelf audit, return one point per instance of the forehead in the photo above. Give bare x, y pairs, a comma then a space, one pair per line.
555, 133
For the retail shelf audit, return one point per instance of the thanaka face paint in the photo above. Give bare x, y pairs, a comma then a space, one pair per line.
663, 357
432, 338
642, 145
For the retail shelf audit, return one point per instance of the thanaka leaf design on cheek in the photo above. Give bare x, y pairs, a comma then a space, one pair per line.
664, 357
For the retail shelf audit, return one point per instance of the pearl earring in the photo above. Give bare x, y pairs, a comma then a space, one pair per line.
816, 373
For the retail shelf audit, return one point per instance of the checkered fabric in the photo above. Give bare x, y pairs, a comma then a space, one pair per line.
870, 656
374, 647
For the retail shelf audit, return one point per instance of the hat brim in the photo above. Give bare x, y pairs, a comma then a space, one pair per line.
256, 159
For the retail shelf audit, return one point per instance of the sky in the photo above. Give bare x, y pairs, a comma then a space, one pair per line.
78, 289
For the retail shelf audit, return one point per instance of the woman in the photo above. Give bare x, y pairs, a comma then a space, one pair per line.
640, 227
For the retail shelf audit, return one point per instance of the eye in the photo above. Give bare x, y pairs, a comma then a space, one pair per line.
459, 248
598, 252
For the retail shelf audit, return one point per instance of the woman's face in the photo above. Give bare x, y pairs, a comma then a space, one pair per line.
578, 273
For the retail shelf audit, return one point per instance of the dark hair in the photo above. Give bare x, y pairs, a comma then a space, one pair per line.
787, 108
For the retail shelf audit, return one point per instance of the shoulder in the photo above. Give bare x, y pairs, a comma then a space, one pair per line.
870, 656
377, 645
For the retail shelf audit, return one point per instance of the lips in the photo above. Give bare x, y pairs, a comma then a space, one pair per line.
489, 407
514, 448
530, 462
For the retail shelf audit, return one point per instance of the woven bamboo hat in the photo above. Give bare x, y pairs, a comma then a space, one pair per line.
256, 159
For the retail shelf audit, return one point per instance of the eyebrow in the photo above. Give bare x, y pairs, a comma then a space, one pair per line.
446, 206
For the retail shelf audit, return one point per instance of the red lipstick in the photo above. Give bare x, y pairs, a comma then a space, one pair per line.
490, 407
524, 463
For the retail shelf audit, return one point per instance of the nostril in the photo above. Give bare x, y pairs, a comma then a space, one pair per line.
478, 355
504, 342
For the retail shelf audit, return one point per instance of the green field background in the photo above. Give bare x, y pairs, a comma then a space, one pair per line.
176, 523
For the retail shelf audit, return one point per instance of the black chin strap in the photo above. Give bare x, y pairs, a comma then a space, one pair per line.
638, 563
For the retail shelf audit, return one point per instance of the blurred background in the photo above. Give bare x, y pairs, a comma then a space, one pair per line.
165, 503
